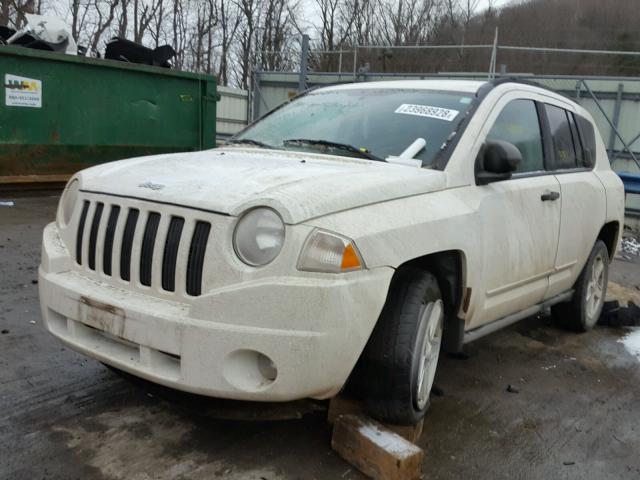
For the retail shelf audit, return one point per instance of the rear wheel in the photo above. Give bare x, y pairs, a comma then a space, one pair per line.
583, 311
399, 362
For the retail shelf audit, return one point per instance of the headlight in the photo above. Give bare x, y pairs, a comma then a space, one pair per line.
68, 200
330, 253
259, 236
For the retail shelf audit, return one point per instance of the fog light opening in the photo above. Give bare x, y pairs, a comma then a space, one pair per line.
267, 367
249, 370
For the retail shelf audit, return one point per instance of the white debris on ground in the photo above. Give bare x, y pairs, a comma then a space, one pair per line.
631, 342
6, 203
630, 246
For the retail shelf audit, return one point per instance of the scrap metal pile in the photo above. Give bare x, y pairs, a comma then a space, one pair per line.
48, 33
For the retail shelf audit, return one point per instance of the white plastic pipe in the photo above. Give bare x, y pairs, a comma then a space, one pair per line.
406, 157
413, 149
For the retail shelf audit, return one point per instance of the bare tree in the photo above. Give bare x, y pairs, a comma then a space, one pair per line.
249, 10
229, 22
278, 28
103, 21
206, 19
408, 22
366, 22
337, 18
335, 30
13, 11
232, 37
143, 14
4, 12
179, 29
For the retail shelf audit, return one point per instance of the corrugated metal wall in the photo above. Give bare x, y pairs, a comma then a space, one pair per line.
231, 111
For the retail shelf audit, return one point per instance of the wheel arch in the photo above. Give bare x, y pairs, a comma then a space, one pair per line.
610, 235
450, 269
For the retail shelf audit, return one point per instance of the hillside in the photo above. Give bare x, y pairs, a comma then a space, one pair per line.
575, 24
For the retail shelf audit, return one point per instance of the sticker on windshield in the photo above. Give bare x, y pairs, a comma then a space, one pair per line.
427, 111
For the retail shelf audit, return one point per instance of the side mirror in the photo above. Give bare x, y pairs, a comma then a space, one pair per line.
497, 160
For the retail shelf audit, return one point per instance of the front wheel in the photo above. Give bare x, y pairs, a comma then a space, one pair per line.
583, 311
400, 359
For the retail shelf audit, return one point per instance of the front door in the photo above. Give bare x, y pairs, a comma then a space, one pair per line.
520, 220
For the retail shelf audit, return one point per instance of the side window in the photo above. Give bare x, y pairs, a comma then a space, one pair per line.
518, 124
588, 137
577, 144
561, 135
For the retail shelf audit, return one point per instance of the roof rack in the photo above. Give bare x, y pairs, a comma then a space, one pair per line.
499, 81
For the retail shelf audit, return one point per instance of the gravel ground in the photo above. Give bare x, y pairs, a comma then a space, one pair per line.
63, 416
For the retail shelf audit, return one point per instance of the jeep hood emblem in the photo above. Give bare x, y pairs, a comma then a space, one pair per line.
151, 185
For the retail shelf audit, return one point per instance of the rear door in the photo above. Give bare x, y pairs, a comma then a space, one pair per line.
582, 197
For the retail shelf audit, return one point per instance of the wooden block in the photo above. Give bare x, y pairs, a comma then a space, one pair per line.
408, 432
376, 451
340, 405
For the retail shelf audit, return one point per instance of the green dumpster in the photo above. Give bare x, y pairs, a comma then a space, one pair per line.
60, 113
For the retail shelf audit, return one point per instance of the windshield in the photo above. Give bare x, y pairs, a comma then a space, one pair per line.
377, 122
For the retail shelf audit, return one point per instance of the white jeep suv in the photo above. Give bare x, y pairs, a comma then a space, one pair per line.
346, 237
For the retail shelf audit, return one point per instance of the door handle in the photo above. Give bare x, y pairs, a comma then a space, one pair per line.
549, 196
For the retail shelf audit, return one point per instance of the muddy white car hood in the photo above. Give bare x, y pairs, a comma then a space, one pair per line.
299, 186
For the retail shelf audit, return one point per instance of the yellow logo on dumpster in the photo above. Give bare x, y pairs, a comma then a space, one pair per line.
22, 91
30, 86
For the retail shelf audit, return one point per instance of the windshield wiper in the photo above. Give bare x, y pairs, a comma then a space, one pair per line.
248, 141
362, 152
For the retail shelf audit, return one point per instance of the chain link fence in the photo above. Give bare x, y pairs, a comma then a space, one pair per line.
430, 59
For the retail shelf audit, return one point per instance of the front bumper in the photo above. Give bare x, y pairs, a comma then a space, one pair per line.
307, 332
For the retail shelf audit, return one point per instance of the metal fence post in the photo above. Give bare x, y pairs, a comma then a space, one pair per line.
304, 57
355, 62
616, 118
494, 56
255, 96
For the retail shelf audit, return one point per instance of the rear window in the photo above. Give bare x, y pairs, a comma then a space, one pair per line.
563, 147
588, 137
577, 144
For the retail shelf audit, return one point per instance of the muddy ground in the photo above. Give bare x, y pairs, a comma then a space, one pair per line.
63, 416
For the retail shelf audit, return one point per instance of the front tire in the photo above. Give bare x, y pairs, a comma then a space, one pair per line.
583, 311
400, 359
